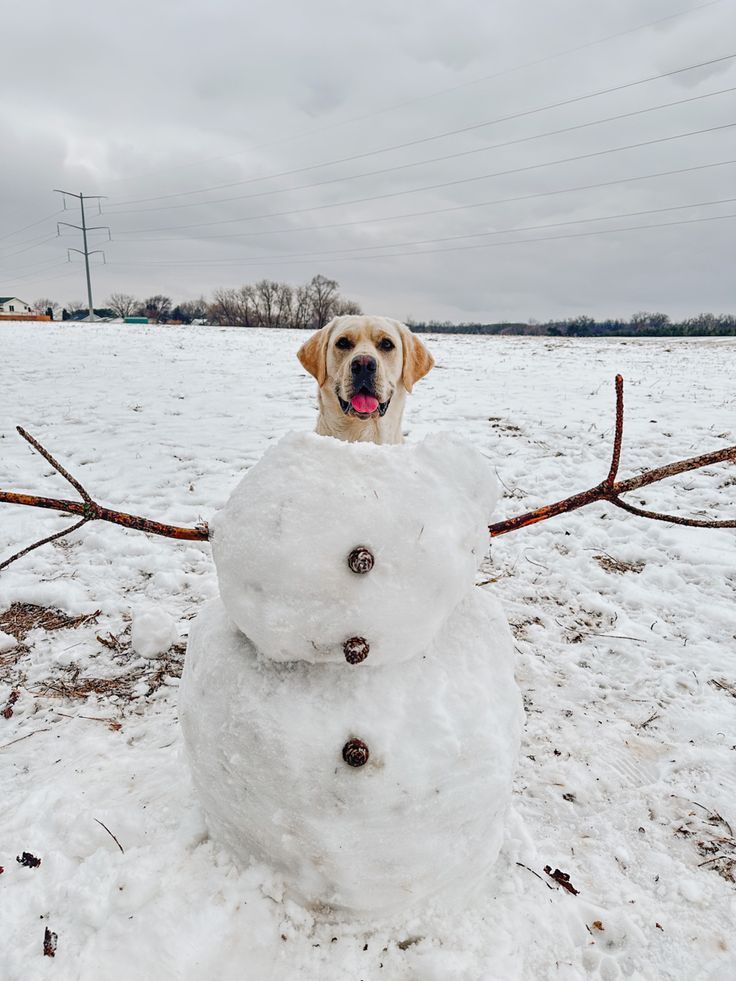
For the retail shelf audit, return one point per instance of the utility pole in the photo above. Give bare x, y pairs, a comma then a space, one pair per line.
84, 229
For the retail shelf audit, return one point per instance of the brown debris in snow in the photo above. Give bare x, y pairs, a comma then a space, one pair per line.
563, 879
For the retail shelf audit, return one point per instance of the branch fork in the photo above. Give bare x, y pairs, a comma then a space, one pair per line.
89, 510
610, 489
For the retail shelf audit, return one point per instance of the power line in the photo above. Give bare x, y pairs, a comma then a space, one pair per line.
35, 272
31, 244
421, 98
448, 238
441, 211
46, 279
31, 225
442, 184
486, 245
449, 156
31, 265
453, 132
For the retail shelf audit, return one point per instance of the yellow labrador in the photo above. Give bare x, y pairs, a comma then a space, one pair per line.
364, 367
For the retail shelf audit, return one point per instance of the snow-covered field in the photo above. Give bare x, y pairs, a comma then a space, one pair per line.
625, 633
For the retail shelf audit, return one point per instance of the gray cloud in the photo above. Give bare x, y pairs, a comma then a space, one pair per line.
141, 100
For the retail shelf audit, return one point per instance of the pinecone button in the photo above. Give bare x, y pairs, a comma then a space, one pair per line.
355, 752
356, 650
361, 560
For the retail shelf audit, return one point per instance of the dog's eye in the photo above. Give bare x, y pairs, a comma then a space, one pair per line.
343, 343
386, 344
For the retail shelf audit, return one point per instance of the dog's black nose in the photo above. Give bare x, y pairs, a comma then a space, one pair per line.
363, 367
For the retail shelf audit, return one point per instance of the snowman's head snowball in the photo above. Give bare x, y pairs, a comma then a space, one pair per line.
294, 543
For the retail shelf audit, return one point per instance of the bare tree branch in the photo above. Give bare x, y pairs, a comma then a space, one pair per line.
43, 541
675, 519
88, 509
609, 490
54, 463
619, 432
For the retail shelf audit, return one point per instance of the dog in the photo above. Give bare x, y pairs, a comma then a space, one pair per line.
364, 368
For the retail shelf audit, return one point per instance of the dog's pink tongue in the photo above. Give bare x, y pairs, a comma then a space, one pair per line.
364, 403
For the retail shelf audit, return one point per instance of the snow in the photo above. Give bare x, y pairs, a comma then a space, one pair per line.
7, 643
153, 631
282, 541
624, 643
424, 816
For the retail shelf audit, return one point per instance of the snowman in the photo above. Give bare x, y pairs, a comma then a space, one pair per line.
348, 704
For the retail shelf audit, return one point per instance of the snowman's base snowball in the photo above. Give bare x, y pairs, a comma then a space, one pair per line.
423, 817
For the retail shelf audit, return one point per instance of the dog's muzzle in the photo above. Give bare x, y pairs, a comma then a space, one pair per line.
364, 401
349, 410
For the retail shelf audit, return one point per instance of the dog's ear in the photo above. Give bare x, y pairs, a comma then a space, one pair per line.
313, 354
417, 359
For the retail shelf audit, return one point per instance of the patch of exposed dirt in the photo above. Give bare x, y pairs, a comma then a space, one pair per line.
21, 618
125, 682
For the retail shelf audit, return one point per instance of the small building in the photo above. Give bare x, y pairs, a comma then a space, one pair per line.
11, 304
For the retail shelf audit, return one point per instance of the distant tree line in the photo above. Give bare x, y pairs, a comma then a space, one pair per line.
641, 324
266, 303
269, 303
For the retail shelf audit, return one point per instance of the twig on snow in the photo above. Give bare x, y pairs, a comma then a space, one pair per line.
89, 509
21, 738
43, 541
611, 490
111, 835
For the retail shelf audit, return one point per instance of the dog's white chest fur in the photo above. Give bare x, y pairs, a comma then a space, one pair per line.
356, 730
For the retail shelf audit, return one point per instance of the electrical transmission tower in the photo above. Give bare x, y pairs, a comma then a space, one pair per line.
84, 228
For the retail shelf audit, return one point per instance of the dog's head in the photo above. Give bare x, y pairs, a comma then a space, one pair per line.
363, 361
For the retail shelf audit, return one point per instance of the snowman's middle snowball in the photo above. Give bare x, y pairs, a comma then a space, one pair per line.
281, 545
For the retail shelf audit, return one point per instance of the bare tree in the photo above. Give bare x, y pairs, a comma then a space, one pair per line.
156, 307
268, 303
284, 304
123, 304
301, 308
194, 309
44, 303
247, 306
344, 308
236, 307
644, 319
266, 297
222, 310
74, 306
323, 296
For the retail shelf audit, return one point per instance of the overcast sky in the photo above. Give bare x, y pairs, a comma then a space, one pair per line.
154, 100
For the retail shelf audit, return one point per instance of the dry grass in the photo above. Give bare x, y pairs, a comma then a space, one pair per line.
722, 684
617, 566
128, 676
714, 840
21, 618
125, 686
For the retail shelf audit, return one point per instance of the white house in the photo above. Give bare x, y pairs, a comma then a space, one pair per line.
11, 304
